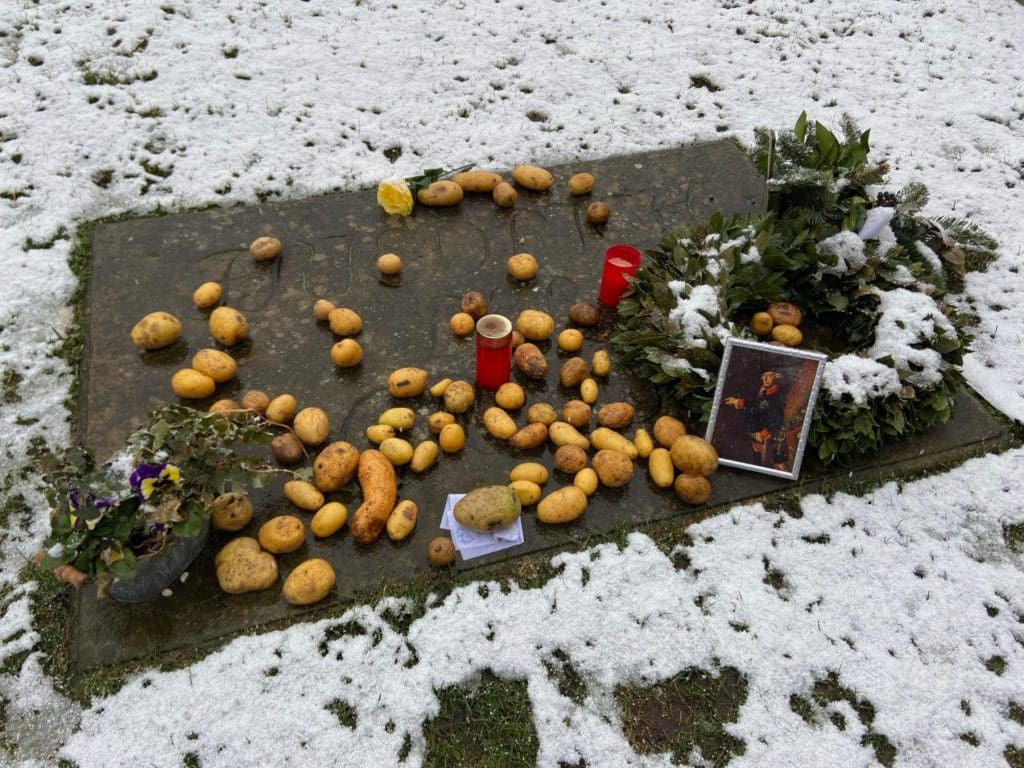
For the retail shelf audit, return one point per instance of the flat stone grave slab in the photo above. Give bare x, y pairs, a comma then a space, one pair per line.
331, 244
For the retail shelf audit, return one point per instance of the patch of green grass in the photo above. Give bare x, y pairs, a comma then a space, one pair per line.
1013, 754
487, 725
570, 683
1013, 534
344, 712
684, 713
11, 381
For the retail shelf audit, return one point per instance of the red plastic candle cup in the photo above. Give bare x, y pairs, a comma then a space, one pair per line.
493, 351
620, 262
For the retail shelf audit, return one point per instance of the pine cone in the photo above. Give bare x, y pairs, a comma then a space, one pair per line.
886, 200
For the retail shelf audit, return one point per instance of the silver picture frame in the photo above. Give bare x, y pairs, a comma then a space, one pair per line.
764, 401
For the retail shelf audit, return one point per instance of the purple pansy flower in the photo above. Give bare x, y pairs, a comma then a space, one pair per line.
148, 477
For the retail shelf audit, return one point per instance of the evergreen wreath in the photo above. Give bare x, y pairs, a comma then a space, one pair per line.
869, 271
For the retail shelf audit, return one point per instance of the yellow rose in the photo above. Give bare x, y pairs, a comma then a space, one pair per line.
395, 197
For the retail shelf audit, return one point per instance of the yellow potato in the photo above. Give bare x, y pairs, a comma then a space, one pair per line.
452, 438
378, 433
532, 471
477, 181
192, 385
694, 455
462, 324
601, 363
438, 420
528, 493
459, 397
643, 442
156, 330
228, 326
389, 264
265, 248
310, 582
243, 567
667, 429
345, 321
499, 423
586, 480
660, 468
284, 533
397, 451
282, 408
581, 183
424, 456
570, 340
322, 309
440, 193
562, 506
441, 551
402, 520
504, 195
692, 489
329, 519
613, 468
437, 390
303, 495
522, 266
311, 426
598, 213
398, 418
535, 325
230, 511
570, 459
543, 413
407, 382
532, 177
788, 334
334, 467
603, 438
510, 396
563, 433
530, 436
588, 391
206, 295
347, 353
761, 323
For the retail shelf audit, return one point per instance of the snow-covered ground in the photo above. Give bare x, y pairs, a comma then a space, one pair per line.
907, 594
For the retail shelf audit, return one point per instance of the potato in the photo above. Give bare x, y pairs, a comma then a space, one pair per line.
284, 533
399, 418
303, 495
156, 330
535, 325
334, 468
265, 248
616, 415
581, 183
510, 396
243, 567
531, 361
287, 449
192, 385
667, 429
346, 353
588, 391
345, 321
206, 295
532, 177
452, 438
228, 326
530, 436
527, 492
522, 266
694, 455
784, 313
660, 468
439, 420
504, 195
459, 397
643, 442
542, 413
329, 519
440, 194
517, 340
603, 438
438, 389
788, 335
397, 451
577, 413
614, 469
570, 340
309, 583
584, 315
322, 309
570, 459
379, 485
378, 433
227, 404
477, 181
389, 264
499, 423
563, 433
488, 508
573, 372
462, 324
586, 480
311, 426
562, 506
692, 489
282, 408
230, 512
474, 304
441, 551
598, 213
761, 323
424, 456
407, 382
255, 400
402, 520
601, 363
529, 470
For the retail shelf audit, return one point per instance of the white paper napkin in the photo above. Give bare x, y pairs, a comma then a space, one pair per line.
472, 543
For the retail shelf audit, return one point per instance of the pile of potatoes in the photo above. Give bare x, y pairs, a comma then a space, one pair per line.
781, 321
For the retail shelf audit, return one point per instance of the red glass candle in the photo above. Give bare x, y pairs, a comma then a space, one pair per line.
620, 261
493, 351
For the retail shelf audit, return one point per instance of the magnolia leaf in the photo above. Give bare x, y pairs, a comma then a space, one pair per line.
801, 127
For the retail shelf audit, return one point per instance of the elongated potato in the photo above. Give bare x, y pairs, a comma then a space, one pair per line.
424, 456
615, 415
660, 468
531, 361
440, 194
586, 480
643, 442
533, 177
562, 506
530, 436
380, 492
407, 382
156, 330
303, 495
477, 181
499, 423
309, 583
398, 451
219, 366
528, 492
563, 433
601, 363
398, 418
588, 391
603, 438
529, 470
329, 519
573, 372
402, 520
192, 385
378, 433
787, 334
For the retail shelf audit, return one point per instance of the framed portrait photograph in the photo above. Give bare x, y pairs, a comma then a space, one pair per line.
761, 415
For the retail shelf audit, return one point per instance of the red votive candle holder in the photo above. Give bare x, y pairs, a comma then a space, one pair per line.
493, 351
620, 262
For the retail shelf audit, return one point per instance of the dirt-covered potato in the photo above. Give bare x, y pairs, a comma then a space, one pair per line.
573, 372
424, 456
335, 467
452, 438
562, 506
692, 489
694, 455
228, 326
345, 321
535, 325
488, 508
533, 471
517, 340
440, 194
787, 334
563, 433
397, 451
284, 533
389, 264
156, 330
784, 313
459, 396
438, 420
504, 195
603, 438
230, 511
346, 353
584, 315
474, 304
378, 433
477, 181
499, 423
192, 385
206, 295
570, 340
577, 413
510, 396
586, 480
265, 248
527, 492
322, 309
399, 418
660, 468
522, 266
282, 408
613, 468
581, 183
667, 429
598, 213
615, 415
311, 425
287, 449
531, 361
407, 382
243, 567
462, 324
530, 436
309, 583
402, 520
761, 323
532, 177
329, 519
542, 413
570, 459
227, 404
441, 551
589, 391
303, 495
255, 400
